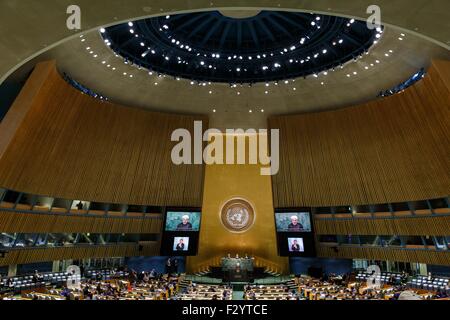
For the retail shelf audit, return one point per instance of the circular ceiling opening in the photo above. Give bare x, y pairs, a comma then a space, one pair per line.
258, 47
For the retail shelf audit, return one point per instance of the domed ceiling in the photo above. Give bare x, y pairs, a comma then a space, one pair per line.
258, 47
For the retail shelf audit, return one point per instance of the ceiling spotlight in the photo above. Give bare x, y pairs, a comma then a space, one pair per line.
214, 110
250, 111
341, 41
313, 23
262, 110
102, 30
130, 24
131, 31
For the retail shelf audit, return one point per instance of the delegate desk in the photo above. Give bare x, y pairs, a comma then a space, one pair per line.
237, 269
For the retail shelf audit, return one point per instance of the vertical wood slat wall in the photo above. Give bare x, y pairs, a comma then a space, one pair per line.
390, 150
420, 226
34, 255
386, 254
73, 146
16, 222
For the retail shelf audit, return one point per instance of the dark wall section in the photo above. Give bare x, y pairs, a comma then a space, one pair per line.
338, 266
439, 270
8, 93
31, 267
148, 263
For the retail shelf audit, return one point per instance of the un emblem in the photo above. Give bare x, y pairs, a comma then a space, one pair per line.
237, 215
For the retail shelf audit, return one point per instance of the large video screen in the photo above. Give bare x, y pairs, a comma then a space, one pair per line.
182, 221
293, 221
181, 232
295, 234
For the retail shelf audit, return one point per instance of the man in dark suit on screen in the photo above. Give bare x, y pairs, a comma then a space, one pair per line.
295, 246
295, 225
180, 245
185, 225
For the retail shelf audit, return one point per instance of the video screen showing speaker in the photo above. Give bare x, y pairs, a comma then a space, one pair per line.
181, 232
293, 221
182, 221
295, 234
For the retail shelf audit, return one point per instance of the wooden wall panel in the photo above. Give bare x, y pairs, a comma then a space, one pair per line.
389, 150
12, 222
24, 256
386, 254
73, 146
420, 226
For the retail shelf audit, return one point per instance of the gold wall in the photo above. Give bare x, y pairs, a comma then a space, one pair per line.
391, 149
58, 142
223, 182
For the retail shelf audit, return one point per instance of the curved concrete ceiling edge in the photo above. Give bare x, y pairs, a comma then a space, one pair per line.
228, 7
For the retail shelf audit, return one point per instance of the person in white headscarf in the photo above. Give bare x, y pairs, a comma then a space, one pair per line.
185, 225
295, 225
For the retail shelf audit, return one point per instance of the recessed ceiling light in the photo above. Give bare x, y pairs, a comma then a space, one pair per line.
102, 30
262, 110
